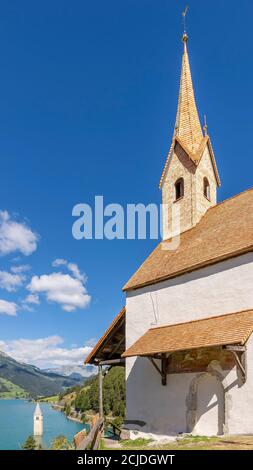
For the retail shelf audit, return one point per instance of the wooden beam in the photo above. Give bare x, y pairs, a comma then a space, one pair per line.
112, 333
100, 391
235, 347
240, 364
239, 353
164, 369
112, 362
155, 365
116, 348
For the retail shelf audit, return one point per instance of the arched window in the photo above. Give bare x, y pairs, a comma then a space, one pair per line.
206, 189
179, 189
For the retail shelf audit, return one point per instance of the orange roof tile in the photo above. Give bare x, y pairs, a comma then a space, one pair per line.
188, 127
233, 328
226, 230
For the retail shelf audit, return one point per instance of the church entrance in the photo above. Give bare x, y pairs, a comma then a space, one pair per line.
210, 409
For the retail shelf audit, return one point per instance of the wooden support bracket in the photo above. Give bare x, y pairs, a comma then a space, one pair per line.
163, 369
239, 353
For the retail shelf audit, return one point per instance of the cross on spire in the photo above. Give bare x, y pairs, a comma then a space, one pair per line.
184, 18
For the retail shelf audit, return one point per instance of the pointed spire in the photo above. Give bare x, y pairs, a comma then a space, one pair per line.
37, 411
188, 127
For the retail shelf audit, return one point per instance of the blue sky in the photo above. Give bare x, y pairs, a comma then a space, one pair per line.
88, 95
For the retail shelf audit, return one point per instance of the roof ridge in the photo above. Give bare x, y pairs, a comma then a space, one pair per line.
230, 197
208, 210
202, 319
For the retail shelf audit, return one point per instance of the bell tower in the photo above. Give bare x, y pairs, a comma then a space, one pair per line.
190, 177
38, 421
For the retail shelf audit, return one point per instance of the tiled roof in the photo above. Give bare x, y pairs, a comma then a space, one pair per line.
226, 230
233, 328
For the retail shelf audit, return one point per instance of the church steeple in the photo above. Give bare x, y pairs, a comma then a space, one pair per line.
38, 421
190, 177
188, 127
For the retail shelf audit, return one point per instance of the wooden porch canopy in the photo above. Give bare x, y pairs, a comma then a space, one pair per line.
108, 352
230, 331
111, 345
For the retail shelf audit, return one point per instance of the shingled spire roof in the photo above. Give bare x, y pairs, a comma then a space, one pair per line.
37, 411
188, 127
188, 132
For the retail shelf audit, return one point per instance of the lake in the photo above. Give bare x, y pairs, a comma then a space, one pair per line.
16, 424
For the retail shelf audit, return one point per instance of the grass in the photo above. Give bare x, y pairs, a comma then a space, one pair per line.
140, 442
10, 390
52, 399
188, 442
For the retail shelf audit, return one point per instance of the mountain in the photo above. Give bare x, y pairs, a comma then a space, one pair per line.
30, 379
76, 372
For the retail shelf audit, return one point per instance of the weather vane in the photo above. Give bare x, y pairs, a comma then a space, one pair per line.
184, 17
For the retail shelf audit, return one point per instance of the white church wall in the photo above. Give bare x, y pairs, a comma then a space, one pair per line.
215, 290
162, 408
240, 398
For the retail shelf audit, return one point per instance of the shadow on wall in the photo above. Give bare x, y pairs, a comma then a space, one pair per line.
207, 413
190, 402
161, 408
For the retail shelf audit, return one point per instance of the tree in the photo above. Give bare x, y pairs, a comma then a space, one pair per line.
29, 444
61, 443
114, 392
67, 409
114, 395
82, 401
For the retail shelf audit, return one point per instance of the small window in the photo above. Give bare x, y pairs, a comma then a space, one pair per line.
206, 189
179, 189
37, 418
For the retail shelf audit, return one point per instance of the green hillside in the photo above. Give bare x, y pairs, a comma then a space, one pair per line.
10, 390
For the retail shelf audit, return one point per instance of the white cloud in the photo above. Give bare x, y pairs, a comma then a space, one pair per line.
59, 262
10, 281
61, 288
45, 352
72, 267
8, 308
22, 268
32, 299
16, 236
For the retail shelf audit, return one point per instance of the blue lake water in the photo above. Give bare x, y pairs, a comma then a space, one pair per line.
16, 424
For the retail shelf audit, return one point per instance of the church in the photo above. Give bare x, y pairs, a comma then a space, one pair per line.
185, 333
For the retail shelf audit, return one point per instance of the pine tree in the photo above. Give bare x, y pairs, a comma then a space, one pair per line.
29, 444
61, 443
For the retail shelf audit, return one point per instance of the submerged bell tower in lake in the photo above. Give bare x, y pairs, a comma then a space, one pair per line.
38, 421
